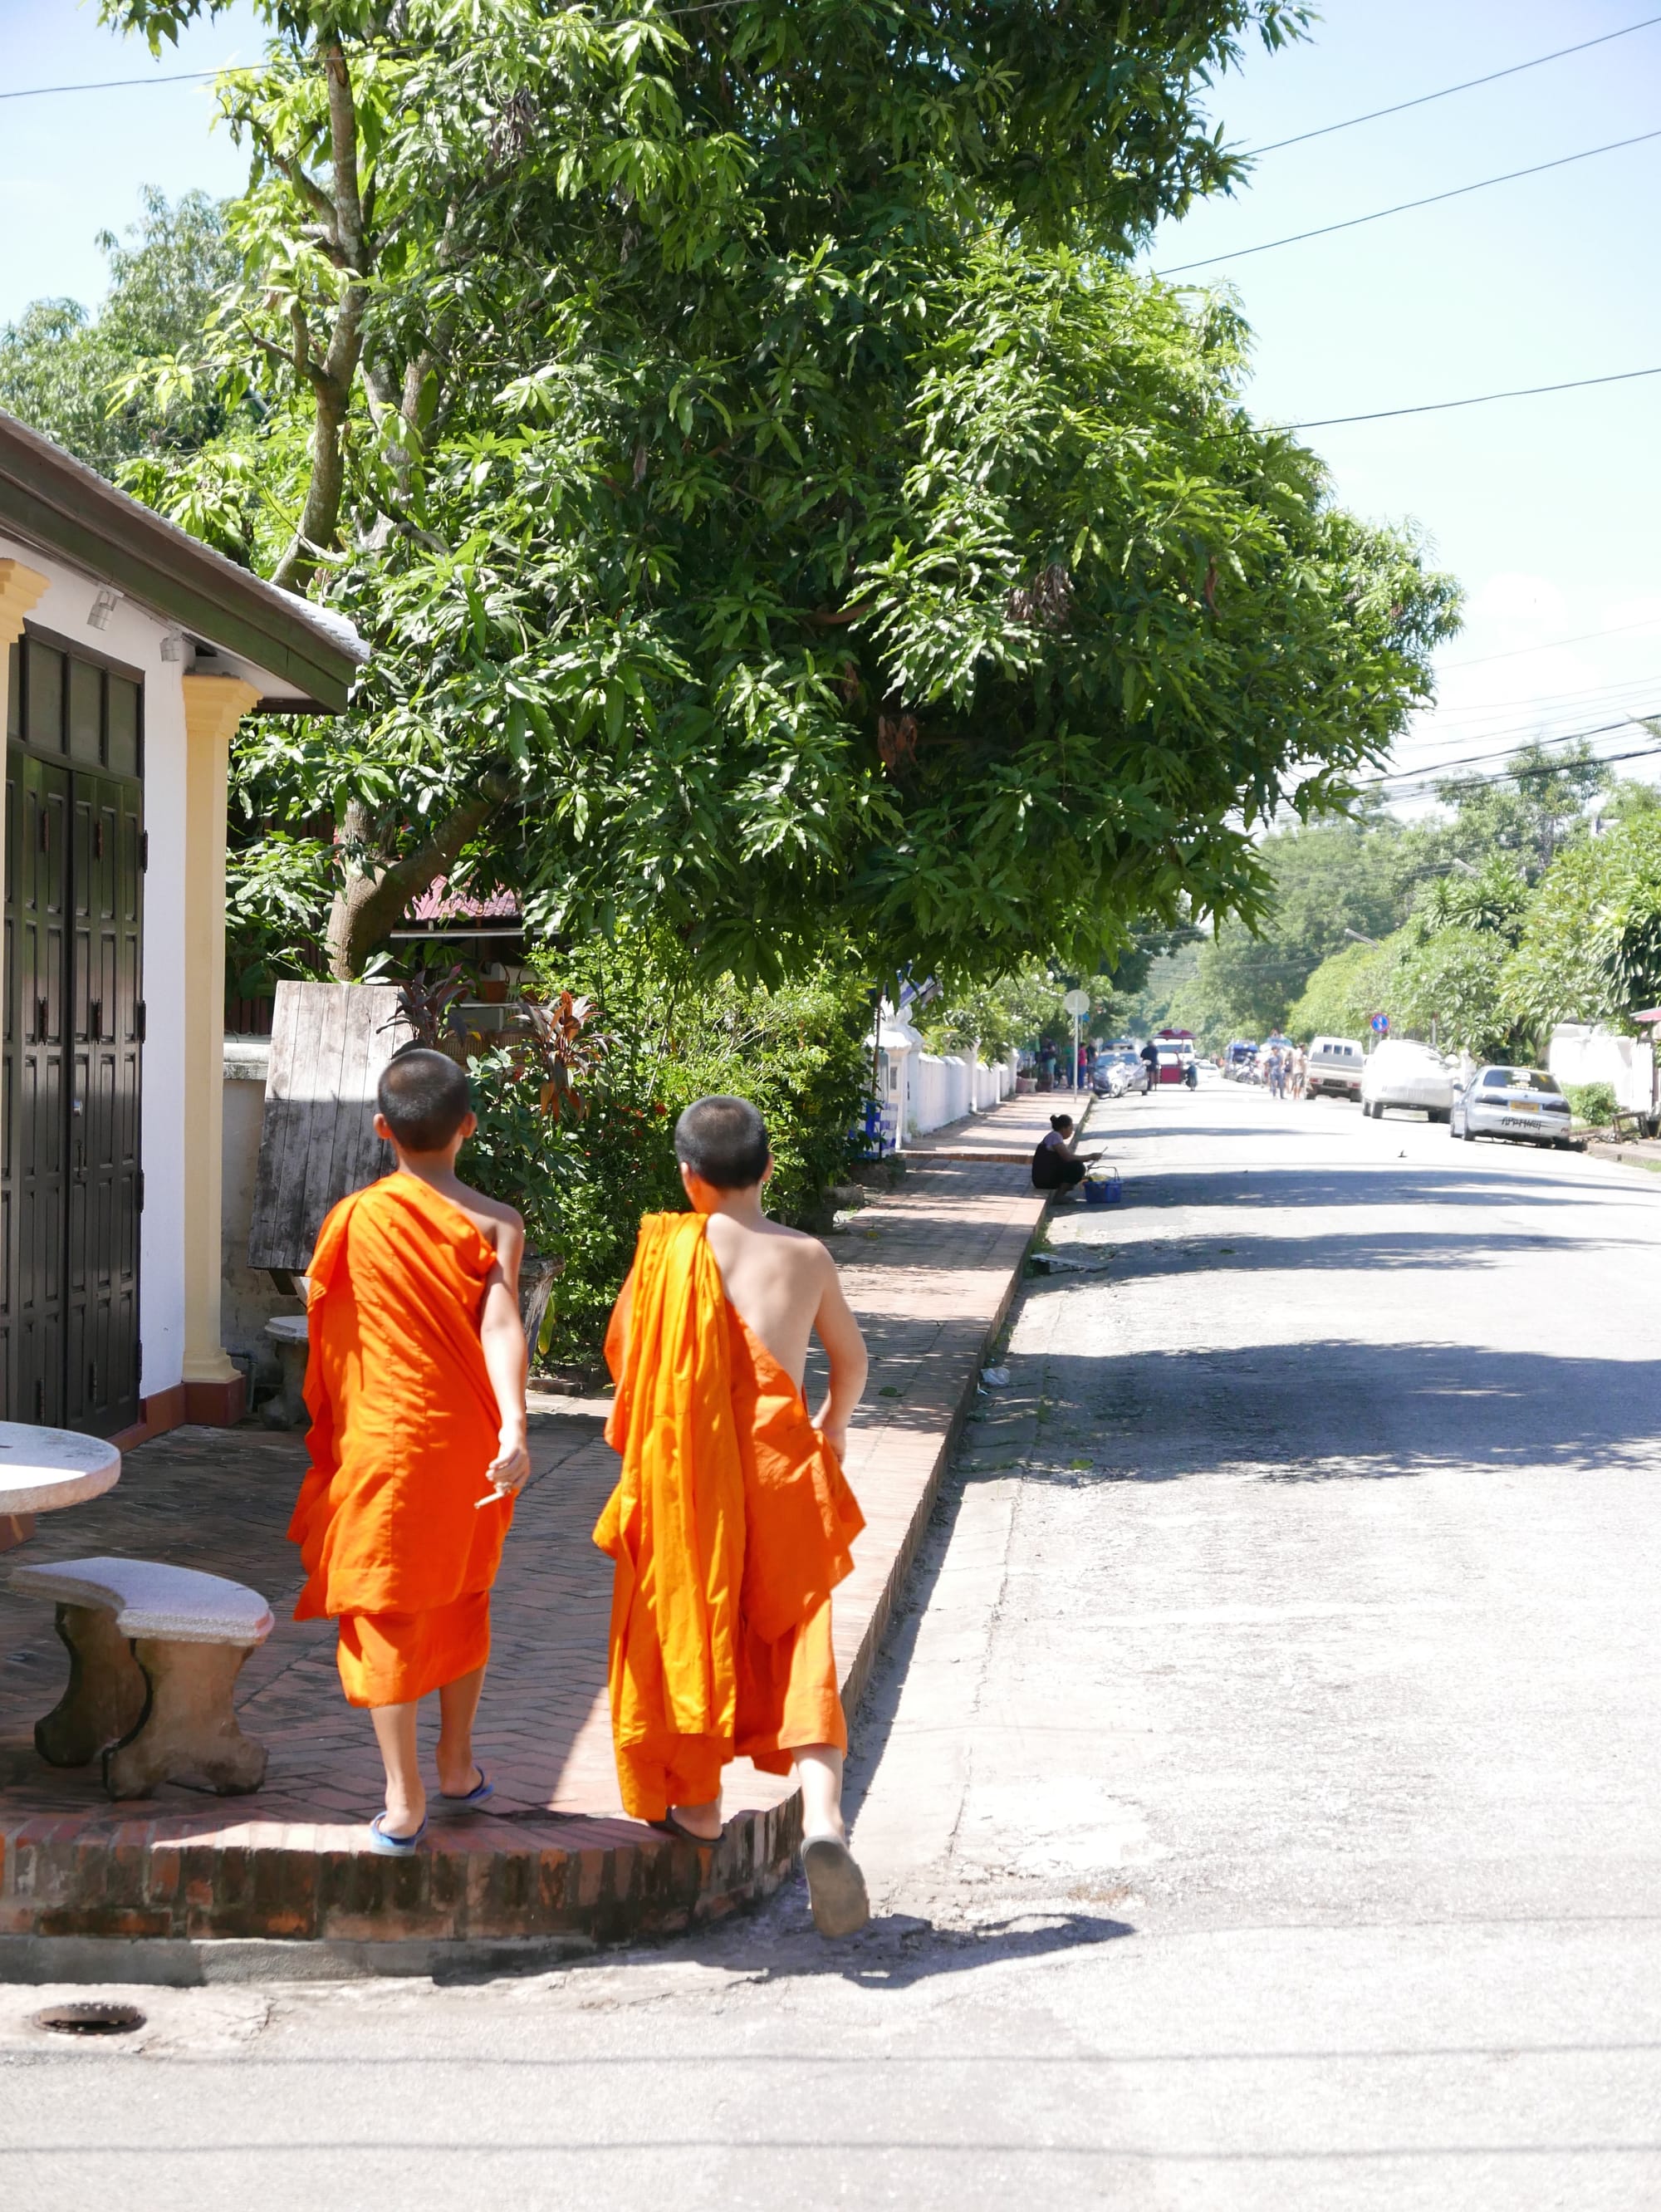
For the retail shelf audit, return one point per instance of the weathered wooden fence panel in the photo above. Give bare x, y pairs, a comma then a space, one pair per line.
329, 1044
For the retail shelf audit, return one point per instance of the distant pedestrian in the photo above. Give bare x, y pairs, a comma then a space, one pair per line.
1299, 1072
1277, 1073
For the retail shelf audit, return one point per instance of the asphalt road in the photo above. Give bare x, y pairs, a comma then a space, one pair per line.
1260, 1795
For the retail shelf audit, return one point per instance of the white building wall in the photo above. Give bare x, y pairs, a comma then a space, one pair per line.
1585, 1052
135, 637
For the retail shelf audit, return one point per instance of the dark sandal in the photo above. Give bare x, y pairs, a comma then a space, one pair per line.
669, 1825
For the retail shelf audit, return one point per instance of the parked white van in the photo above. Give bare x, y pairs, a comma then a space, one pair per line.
1335, 1068
1400, 1072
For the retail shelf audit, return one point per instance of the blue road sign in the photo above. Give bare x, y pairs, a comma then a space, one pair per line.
1380, 1024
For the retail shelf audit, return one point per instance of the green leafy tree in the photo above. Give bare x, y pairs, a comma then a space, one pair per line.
1012, 1011
1590, 949
1447, 984
1530, 815
78, 377
1344, 993
774, 508
1331, 883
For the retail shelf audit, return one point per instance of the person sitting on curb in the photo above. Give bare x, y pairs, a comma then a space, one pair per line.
1055, 1165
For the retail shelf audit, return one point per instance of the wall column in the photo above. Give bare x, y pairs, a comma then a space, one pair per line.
20, 590
216, 1391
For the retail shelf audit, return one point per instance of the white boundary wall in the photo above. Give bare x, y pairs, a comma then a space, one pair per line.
939, 1090
1585, 1052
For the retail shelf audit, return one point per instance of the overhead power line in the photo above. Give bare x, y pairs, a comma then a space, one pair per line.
1505, 752
1438, 771
125, 83
1552, 645
1468, 84
1479, 398
1515, 774
1593, 697
1405, 206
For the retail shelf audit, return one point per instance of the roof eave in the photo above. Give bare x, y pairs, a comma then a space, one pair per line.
63, 507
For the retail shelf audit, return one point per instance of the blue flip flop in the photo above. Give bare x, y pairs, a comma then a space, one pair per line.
483, 1788
393, 1847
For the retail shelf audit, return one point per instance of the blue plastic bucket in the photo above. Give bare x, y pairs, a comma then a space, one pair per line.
1103, 1190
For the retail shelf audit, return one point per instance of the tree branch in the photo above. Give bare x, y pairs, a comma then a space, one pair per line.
371, 902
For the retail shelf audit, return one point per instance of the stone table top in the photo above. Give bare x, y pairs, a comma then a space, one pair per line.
43, 1470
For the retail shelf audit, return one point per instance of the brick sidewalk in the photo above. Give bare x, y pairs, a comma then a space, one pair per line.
929, 1269
1009, 1132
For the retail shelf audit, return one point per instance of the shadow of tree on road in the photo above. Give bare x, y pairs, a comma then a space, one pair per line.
1139, 1262
1331, 1406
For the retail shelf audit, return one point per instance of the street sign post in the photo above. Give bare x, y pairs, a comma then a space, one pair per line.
1077, 1004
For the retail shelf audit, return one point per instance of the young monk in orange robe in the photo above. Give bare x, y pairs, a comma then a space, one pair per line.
732, 1522
416, 1387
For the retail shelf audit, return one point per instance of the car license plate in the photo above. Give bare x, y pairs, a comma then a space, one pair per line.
1522, 1106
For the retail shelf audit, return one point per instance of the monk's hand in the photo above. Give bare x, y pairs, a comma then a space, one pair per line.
510, 1470
838, 1440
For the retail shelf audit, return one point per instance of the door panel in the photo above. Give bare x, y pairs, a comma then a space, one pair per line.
71, 1188
101, 1273
38, 813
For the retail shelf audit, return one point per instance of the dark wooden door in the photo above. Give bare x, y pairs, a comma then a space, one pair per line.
70, 1185
101, 1279
37, 974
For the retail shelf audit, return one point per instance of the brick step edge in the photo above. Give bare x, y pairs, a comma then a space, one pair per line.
61, 1885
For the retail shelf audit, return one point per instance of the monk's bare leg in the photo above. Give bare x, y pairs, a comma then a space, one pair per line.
406, 1799
819, 1776
836, 1888
458, 1770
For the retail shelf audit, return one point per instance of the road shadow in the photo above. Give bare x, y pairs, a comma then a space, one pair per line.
1329, 1409
1396, 1183
1237, 1251
897, 1950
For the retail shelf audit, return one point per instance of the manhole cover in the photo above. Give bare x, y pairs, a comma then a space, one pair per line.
89, 2019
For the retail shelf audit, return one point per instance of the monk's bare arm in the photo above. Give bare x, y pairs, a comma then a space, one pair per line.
623, 1314
506, 1356
844, 1350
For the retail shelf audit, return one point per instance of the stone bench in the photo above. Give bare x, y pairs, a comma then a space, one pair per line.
287, 1332
154, 1652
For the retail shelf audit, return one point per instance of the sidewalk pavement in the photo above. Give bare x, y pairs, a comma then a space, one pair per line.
1010, 1132
282, 1882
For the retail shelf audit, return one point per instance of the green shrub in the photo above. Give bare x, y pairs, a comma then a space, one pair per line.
582, 1179
1593, 1102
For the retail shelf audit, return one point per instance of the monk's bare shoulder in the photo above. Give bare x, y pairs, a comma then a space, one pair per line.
499, 1224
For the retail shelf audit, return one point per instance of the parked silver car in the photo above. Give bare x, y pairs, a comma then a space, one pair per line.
1521, 1103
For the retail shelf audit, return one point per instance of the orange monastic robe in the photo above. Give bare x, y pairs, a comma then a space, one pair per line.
730, 1527
405, 1423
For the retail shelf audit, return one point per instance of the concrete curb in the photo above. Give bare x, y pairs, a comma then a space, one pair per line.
115, 1899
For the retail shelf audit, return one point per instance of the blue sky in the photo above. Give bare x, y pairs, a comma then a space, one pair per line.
1548, 510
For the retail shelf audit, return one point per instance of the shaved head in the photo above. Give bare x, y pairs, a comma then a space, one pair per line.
425, 1098
724, 1141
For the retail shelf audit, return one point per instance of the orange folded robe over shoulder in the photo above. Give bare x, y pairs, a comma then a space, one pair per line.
730, 1527
404, 1422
